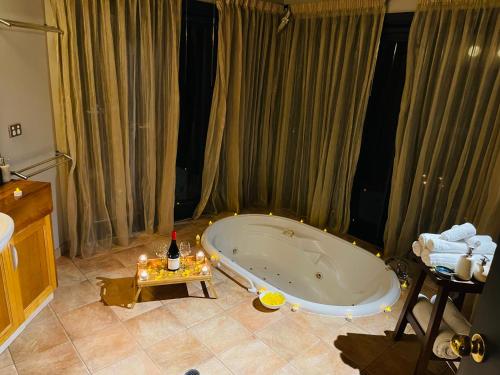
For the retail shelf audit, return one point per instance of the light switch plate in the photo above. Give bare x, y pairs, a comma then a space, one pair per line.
15, 130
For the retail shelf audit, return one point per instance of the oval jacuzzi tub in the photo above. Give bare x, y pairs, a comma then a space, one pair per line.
317, 270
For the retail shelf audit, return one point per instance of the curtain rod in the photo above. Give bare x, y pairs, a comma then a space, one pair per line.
27, 25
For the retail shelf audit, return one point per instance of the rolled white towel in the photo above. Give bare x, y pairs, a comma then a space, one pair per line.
441, 246
486, 248
417, 248
422, 312
433, 259
454, 318
476, 241
459, 232
424, 237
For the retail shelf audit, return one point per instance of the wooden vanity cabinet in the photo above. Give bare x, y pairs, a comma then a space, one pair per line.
27, 265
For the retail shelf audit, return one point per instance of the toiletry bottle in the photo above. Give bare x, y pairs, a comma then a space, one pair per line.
464, 268
479, 270
5, 170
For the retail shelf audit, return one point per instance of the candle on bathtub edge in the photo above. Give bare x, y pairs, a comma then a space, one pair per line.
204, 270
404, 284
354, 242
301, 220
200, 256
388, 309
144, 275
378, 255
235, 214
295, 307
143, 259
325, 230
270, 214
348, 317
198, 238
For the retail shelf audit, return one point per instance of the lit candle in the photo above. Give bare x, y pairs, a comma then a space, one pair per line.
354, 242
404, 285
204, 270
144, 275
348, 317
198, 238
235, 214
388, 309
379, 255
301, 220
200, 256
325, 230
270, 214
143, 259
210, 222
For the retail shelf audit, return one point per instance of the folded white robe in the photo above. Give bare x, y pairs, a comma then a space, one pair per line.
424, 237
441, 246
422, 312
476, 241
459, 232
454, 318
417, 248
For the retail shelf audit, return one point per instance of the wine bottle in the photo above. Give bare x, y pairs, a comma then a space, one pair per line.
173, 254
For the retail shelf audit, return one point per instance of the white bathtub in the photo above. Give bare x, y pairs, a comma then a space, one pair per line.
320, 272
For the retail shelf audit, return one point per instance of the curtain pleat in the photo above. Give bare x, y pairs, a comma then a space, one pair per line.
446, 168
114, 78
288, 109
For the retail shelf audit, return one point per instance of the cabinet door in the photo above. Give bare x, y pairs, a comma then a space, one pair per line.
35, 267
7, 302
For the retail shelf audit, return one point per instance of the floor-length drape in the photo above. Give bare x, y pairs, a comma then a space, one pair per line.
239, 140
288, 109
447, 164
330, 55
114, 78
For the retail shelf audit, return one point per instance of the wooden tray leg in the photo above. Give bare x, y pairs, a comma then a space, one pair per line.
410, 302
208, 291
136, 298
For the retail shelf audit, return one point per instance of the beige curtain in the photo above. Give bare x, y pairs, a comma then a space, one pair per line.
447, 163
114, 77
288, 108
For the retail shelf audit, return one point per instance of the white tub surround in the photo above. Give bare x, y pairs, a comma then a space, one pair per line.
312, 268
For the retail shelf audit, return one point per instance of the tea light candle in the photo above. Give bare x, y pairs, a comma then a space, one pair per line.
204, 270
198, 238
404, 284
143, 259
210, 222
200, 256
378, 255
388, 309
144, 275
295, 307
301, 220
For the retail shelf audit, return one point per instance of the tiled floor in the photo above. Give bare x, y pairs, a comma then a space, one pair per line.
78, 334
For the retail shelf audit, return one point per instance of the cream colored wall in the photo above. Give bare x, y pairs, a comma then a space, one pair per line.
25, 93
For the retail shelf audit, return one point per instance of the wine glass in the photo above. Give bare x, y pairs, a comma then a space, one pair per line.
185, 249
160, 250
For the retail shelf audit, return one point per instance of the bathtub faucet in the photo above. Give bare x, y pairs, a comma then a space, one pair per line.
289, 232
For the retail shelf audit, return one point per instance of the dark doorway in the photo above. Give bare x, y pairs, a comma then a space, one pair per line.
372, 182
197, 64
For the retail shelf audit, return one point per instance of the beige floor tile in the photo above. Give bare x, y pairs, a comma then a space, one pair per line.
5, 359
9, 370
68, 274
325, 327
73, 296
37, 338
179, 353
136, 364
45, 315
377, 324
220, 333
93, 267
106, 347
359, 347
321, 359
213, 367
59, 360
252, 357
129, 257
192, 310
287, 370
231, 294
287, 338
248, 314
124, 313
153, 326
86, 320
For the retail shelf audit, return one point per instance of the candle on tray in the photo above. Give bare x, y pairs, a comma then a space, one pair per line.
143, 275
143, 259
204, 270
200, 256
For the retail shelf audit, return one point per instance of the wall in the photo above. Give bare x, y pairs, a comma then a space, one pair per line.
25, 93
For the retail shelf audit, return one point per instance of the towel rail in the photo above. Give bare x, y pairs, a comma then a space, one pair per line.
56, 158
28, 25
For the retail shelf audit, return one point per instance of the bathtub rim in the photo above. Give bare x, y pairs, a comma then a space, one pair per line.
392, 296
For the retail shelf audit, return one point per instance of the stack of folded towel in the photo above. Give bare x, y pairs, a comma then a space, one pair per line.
445, 249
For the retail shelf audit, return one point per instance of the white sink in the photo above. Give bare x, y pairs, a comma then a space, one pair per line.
6, 229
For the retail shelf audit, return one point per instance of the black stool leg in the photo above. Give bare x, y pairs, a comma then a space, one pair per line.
408, 306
